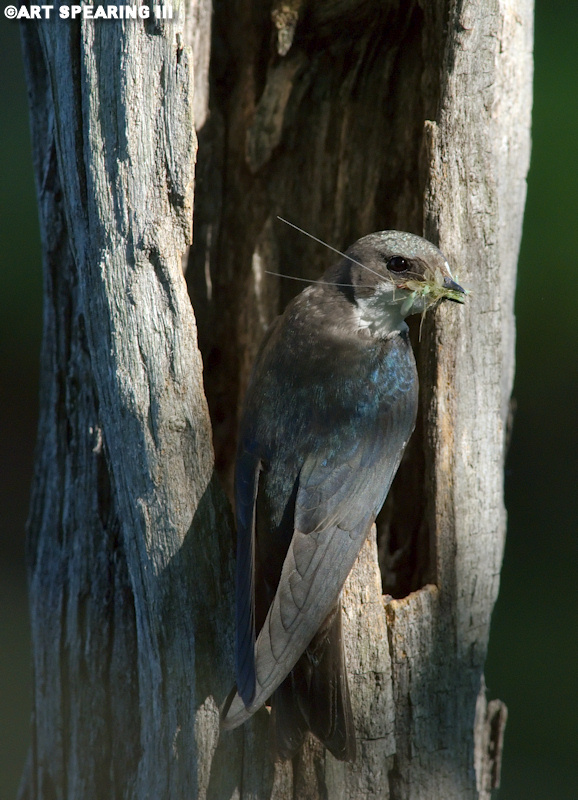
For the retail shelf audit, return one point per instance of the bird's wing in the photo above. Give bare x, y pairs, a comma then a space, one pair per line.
246, 486
340, 492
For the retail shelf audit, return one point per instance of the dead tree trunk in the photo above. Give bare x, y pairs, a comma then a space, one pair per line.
345, 118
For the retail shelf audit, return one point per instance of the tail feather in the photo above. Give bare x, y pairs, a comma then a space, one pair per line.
287, 721
315, 697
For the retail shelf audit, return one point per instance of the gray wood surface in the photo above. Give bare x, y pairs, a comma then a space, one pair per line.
344, 118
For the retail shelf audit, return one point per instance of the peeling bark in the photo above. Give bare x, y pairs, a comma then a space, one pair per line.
343, 117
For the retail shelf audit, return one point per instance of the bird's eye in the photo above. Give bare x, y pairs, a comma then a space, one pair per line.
397, 264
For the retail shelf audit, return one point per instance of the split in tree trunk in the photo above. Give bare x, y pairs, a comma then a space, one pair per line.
343, 118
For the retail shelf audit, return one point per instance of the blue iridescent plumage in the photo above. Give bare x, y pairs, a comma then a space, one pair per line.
329, 410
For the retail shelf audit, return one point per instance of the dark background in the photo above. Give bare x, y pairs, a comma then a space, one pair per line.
532, 663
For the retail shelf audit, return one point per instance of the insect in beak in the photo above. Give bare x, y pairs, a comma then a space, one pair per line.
457, 292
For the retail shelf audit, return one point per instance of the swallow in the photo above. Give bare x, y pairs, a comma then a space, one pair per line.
330, 407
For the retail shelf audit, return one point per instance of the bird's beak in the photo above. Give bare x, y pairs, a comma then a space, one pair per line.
454, 287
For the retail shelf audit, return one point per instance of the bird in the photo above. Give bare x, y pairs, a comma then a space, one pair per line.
330, 406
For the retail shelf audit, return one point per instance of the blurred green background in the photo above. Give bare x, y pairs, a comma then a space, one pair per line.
533, 657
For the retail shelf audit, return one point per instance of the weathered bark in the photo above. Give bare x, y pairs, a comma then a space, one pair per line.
126, 573
345, 118
415, 118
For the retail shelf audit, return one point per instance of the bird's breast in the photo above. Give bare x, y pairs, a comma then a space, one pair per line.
311, 388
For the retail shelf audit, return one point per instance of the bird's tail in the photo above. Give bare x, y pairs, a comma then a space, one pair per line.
315, 697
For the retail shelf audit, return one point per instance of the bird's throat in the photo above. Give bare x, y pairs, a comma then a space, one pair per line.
378, 317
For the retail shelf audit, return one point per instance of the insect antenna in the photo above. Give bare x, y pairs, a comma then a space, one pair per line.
335, 250
306, 280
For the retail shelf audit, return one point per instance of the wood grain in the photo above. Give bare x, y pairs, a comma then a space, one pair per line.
345, 117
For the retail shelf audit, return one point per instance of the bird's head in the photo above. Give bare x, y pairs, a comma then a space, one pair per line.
394, 274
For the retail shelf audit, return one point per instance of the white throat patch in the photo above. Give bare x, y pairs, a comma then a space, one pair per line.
381, 314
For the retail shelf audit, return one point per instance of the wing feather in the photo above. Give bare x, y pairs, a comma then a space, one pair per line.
343, 480
332, 520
